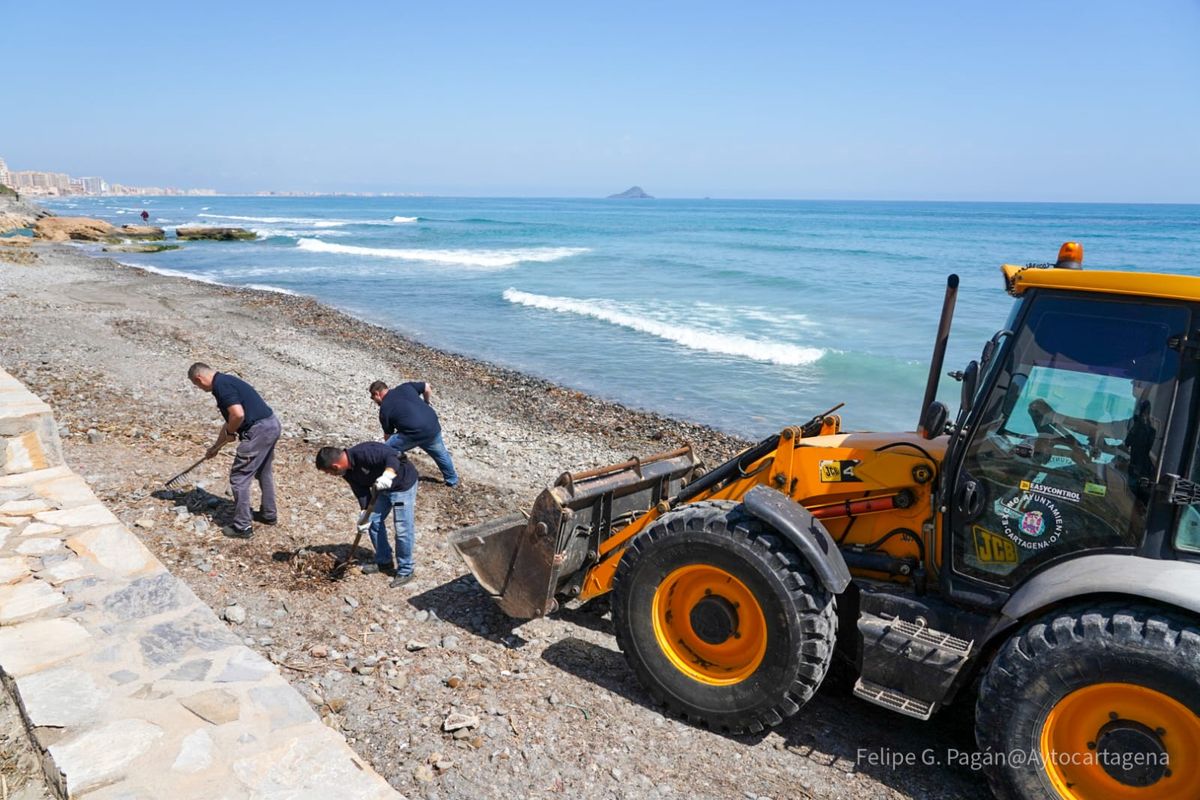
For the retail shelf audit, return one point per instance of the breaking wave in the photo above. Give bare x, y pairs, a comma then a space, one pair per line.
311, 221
634, 318
485, 259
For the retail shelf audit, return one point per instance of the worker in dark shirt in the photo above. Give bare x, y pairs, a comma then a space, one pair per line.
254, 424
375, 466
409, 421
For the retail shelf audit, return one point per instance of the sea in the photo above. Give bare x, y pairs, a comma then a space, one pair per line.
745, 315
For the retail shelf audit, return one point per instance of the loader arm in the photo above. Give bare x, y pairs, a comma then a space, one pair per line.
862, 487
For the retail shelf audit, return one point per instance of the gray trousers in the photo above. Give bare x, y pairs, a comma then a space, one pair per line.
254, 459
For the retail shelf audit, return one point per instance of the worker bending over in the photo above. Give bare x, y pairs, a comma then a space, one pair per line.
373, 466
409, 421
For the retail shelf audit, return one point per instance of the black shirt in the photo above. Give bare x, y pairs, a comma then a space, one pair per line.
233, 391
405, 411
368, 461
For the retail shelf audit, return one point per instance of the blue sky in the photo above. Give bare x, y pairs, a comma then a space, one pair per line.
1089, 101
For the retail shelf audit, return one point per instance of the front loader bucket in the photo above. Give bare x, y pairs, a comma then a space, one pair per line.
523, 561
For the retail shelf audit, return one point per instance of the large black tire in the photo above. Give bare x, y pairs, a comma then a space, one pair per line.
799, 615
1082, 660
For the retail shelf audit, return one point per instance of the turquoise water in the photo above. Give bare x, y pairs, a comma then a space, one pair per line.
746, 315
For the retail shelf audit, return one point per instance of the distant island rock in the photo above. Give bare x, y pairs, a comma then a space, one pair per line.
632, 193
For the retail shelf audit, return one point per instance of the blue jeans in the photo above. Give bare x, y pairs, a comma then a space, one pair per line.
436, 449
401, 505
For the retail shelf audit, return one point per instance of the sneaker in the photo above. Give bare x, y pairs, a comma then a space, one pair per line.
234, 532
258, 517
400, 580
371, 568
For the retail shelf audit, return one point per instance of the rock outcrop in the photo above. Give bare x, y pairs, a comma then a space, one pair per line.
62, 229
15, 213
140, 248
147, 232
219, 234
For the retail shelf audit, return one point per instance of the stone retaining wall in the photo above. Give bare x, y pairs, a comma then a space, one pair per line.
130, 685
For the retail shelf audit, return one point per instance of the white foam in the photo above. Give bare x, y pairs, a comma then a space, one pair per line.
311, 221
479, 259
173, 273
405, 219
191, 276
690, 337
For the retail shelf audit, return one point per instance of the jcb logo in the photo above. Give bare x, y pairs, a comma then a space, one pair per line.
838, 471
991, 548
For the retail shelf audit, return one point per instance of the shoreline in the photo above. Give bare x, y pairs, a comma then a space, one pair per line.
107, 346
658, 423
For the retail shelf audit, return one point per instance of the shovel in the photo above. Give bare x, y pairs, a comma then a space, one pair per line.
340, 567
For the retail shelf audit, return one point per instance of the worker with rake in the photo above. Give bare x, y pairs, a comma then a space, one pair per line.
252, 422
375, 470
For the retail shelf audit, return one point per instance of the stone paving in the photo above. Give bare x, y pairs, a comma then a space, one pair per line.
131, 686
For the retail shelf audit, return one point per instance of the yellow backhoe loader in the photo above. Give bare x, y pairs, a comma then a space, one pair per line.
1040, 552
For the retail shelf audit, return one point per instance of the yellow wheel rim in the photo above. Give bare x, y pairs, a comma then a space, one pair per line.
1112, 741
709, 625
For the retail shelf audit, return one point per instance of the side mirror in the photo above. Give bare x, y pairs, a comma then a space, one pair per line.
970, 382
933, 421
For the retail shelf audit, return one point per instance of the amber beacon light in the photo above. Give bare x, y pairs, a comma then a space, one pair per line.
1070, 256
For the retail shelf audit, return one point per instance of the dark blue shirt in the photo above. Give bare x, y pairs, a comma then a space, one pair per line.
368, 461
233, 391
404, 411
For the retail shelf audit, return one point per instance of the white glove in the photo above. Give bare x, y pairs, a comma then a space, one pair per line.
384, 482
364, 527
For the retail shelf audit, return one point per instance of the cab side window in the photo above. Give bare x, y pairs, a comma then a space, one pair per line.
1069, 437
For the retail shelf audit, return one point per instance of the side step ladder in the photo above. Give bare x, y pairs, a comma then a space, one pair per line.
907, 666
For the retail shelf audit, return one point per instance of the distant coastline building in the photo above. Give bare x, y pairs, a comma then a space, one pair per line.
59, 183
92, 185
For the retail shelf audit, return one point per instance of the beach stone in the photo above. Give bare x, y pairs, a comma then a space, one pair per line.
145, 597
40, 529
38, 547
122, 677
301, 767
114, 548
414, 645
101, 755
145, 523
457, 721
234, 614
245, 665
81, 517
283, 705
24, 507
169, 642
319, 651
66, 491
217, 706
13, 568
60, 697
190, 671
66, 570
195, 752
27, 599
